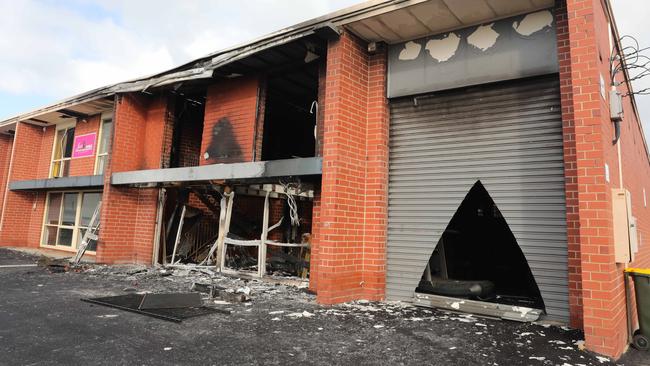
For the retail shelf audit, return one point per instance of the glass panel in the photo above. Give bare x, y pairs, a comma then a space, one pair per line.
56, 169
65, 237
69, 142
54, 209
107, 130
49, 237
69, 209
58, 144
92, 244
88, 205
66, 168
101, 164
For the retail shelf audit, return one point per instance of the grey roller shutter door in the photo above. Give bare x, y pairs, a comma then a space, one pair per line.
507, 135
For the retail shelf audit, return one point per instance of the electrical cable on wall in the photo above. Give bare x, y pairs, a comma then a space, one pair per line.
632, 60
291, 201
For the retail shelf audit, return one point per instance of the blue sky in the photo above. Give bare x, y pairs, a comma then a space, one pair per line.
53, 49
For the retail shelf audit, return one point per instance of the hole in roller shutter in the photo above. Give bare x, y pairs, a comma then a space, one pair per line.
478, 257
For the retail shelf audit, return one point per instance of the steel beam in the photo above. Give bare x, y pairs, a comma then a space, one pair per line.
235, 171
88, 181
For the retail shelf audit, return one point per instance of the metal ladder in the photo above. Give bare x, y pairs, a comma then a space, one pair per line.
90, 234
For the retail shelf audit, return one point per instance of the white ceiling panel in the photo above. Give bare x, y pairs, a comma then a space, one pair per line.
471, 11
431, 17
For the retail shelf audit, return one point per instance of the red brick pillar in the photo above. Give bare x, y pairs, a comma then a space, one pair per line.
594, 275
350, 216
570, 169
129, 214
22, 212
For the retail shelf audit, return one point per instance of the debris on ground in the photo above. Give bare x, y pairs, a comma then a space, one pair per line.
363, 332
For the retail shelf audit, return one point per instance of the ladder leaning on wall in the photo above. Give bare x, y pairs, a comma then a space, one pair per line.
90, 234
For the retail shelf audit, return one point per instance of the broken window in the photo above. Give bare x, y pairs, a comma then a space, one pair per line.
105, 134
290, 113
255, 229
63, 142
189, 111
478, 257
67, 217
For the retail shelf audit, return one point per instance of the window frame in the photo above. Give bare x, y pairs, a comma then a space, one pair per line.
104, 117
59, 127
76, 228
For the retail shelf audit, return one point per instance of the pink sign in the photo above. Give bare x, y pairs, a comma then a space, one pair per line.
84, 145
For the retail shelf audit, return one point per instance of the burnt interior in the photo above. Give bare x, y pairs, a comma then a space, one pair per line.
290, 113
189, 110
286, 115
478, 247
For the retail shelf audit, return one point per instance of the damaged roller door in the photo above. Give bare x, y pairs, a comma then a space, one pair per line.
508, 136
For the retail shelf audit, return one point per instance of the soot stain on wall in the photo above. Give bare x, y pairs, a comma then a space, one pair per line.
223, 146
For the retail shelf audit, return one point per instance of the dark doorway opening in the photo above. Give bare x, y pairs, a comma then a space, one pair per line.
478, 257
290, 113
189, 110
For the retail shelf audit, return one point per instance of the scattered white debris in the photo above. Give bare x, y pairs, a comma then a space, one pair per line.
108, 316
566, 348
452, 347
580, 345
276, 312
244, 290
538, 358
40, 285
167, 348
602, 359
221, 302
319, 328
378, 326
304, 314
480, 325
556, 342
416, 319
478, 333
276, 319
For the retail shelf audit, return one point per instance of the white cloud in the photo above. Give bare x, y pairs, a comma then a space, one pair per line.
632, 18
59, 49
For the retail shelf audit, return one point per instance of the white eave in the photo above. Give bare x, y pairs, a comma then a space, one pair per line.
388, 21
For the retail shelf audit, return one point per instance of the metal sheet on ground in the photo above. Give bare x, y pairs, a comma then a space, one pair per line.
169, 301
131, 302
503, 311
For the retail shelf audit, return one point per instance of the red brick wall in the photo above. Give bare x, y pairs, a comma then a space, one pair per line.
570, 169
588, 131
129, 214
23, 211
229, 128
350, 215
44, 163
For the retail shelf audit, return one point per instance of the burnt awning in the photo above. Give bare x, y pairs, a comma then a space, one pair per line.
256, 170
81, 182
